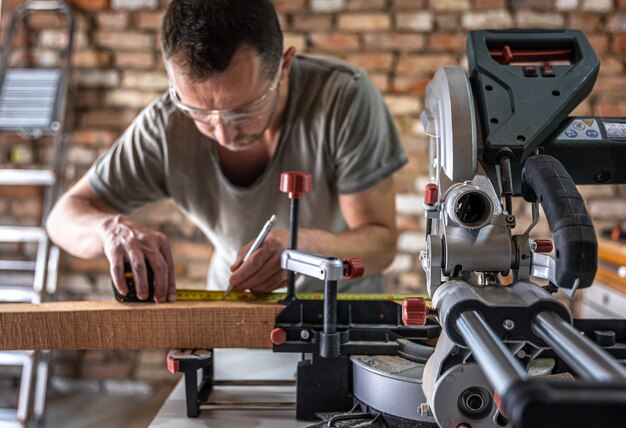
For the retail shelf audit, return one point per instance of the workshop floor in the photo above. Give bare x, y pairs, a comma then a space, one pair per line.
96, 410
93, 409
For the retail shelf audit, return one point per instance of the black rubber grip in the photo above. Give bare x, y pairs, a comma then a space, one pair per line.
544, 179
548, 404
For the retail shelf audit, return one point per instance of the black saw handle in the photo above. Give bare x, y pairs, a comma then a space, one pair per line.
544, 179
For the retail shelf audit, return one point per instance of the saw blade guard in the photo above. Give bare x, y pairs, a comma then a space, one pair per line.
449, 120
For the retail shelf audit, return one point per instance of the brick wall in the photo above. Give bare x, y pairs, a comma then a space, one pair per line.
118, 69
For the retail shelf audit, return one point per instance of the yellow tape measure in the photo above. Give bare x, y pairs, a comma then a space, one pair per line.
207, 295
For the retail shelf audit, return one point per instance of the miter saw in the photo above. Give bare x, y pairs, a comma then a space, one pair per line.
508, 354
505, 132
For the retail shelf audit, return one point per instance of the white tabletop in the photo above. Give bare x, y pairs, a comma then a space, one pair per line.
230, 364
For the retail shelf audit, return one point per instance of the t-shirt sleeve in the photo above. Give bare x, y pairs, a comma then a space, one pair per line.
132, 173
367, 146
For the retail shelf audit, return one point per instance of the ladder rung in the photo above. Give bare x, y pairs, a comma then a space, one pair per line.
22, 234
16, 294
9, 416
19, 265
14, 358
26, 177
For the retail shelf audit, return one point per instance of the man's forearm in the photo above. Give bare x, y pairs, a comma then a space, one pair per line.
376, 244
75, 224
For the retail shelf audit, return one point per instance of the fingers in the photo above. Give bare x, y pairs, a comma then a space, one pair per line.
142, 248
255, 267
277, 280
171, 277
138, 264
117, 273
240, 255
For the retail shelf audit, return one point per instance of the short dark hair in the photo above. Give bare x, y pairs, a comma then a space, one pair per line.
204, 35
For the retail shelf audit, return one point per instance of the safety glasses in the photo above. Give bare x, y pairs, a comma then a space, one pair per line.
233, 116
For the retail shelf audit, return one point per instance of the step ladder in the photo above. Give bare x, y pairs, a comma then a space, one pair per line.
33, 105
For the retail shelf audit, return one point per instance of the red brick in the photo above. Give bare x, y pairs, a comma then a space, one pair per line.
613, 108
334, 41
489, 4
412, 65
94, 78
31, 208
408, 4
149, 80
128, 40
446, 42
530, 19
613, 85
409, 85
597, 5
531, 4
372, 61
611, 66
566, 4
380, 80
311, 22
395, 41
327, 5
21, 192
129, 98
91, 59
88, 98
366, 4
150, 20
46, 20
449, 5
619, 43
111, 118
93, 137
418, 21
364, 22
109, 21
285, 6
93, 5
497, 19
617, 23
135, 60
56, 39
588, 23
403, 104
135, 4
446, 22
599, 43
298, 41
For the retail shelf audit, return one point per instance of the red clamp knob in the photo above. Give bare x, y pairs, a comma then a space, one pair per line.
414, 312
353, 268
278, 336
543, 246
431, 194
296, 183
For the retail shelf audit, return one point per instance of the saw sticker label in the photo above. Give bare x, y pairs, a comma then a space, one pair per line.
581, 129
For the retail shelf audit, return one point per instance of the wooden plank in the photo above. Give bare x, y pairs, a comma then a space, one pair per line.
612, 252
113, 325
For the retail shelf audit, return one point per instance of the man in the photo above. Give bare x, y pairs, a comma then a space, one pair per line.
238, 113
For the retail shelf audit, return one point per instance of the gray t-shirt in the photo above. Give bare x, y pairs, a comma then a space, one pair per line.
336, 127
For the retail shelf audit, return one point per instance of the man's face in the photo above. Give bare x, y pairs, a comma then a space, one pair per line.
234, 107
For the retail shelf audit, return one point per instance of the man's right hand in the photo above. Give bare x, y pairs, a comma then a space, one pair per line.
126, 240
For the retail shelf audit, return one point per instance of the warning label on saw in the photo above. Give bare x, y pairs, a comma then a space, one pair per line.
581, 129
